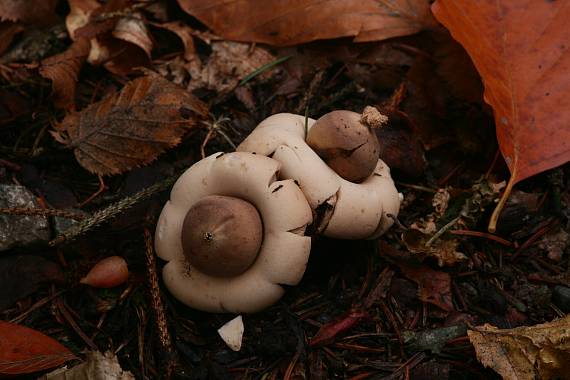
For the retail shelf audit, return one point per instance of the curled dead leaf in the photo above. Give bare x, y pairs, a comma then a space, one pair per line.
536, 352
445, 251
63, 70
184, 32
133, 29
132, 127
79, 15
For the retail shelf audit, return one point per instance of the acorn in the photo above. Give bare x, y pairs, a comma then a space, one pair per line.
345, 140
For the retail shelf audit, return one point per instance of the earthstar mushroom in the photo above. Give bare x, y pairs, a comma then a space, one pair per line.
343, 209
210, 224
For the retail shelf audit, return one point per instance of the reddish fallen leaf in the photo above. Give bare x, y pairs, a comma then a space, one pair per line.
23, 350
521, 50
63, 69
281, 23
327, 333
433, 286
132, 127
29, 11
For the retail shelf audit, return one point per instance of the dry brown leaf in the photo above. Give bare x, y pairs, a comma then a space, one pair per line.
132, 127
118, 56
97, 365
282, 23
433, 286
184, 32
133, 29
79, 15
444, 251
30, 11
227, 65
63, 69
535, 352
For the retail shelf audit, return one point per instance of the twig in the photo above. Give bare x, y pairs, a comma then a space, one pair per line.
442, 230
165, 340
100, 189
497, 212
485, 235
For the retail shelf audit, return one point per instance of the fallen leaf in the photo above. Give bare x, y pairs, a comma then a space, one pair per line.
119, 43
444, 251
63, 69
21, 275
118, 56
184, 32
328, 332
133, 29
520, 49
229, 63
29, 11
23, 350
433, 286
96, 366
536, 352
132, 127
284, 23
79, 15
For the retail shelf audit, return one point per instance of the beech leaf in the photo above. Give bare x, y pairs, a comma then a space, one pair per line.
520, 49
281, 23
24, 350
132, 127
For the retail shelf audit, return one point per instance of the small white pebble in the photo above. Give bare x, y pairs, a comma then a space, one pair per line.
232, 333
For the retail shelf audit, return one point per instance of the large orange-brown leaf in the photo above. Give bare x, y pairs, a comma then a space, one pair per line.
63, 69
278, 22
521, 50
23, 350
132, 127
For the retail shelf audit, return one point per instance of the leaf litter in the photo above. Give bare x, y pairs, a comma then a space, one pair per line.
365, 309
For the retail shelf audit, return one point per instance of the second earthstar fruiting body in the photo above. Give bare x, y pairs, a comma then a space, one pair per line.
343, 209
